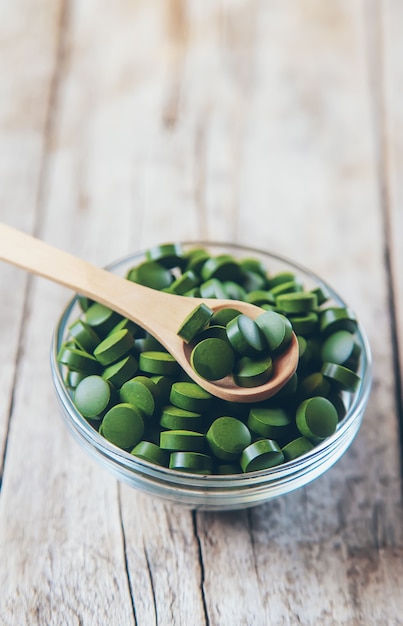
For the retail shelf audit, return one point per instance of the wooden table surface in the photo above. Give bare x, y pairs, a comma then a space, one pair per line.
273, 123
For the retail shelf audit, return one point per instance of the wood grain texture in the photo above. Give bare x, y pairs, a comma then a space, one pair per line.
261, 123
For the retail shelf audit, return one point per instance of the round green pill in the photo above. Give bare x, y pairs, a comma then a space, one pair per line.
223, 316
277, 330
151, 274
137, 393
253, 372
316, 418
190, 396
123, 426
305, 324
121, 371
212, 358
101, 318
158, 362
245, 336
296, 448
195, 322
78, 360
151, 452
340, 347
92, 396
227, 437
222, 267
175, 418
212, 288
337, 318
299, 302
260, 455
182, 440
114, 347
169, 255
83, 335
340, 376
268, 422
194, 462
184, 283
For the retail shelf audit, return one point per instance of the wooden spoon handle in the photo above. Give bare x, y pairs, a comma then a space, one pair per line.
152, 309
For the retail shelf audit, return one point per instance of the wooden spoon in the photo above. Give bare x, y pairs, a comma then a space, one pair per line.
158, 312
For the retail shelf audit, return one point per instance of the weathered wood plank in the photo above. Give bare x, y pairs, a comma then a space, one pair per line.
392, 73
28, 40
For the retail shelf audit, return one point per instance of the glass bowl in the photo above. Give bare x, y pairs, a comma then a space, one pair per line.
215, 492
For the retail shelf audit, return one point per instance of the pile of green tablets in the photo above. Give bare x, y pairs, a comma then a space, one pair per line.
229, 343
130, 389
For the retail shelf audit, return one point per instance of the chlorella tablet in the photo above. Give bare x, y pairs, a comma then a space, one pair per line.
260, 455
158, 362
190, 396
227, 437
183, 440
195, 462
195, 322
92, 396
245, 336
277, 330
149, 451
212, 358
253, 372
269, 422
123, 425
114, 347
296, 448
175, 418
137, 393
316, 418
101, 318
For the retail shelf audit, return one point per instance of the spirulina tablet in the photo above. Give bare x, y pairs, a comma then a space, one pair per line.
227, 437
316, 418
212, 358
123, 425
169, 255
253, 372
182, 440
341, 376
92, 396
114, 347
296, 448
268, 422
84, 336
78, 360
158, 362
138, 394
190, 396
333, 319
101, 318
175, 418
300, 302
341, 347
245, 336
194, 462
260, 455
151, 452
305, 324
277, 330
195, 322
121, 371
